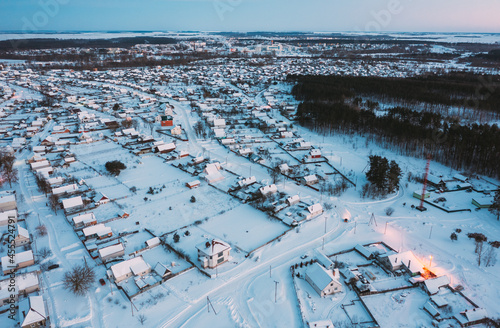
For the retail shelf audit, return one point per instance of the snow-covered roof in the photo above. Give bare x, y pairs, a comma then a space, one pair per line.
23, 281
169, 146
4, 216
216, 246
268, 189
95, 229
19, 258
434, 284
22, 232
161, 269
124, 268
475, 314
72, 202
153, 242
31, 310
106, 251
319, 275
405, 258
87, 217
310, 178
315, 208
63, 189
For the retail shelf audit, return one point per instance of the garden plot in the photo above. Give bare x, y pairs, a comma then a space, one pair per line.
98, 153
350, 259
165, 257
172, 208
245, 227
152, 172
402, 308
453, 201
79, 170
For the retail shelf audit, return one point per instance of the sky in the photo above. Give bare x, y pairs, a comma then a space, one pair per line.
251, 15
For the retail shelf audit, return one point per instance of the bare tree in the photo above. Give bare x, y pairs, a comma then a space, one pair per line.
490, 256
54, 202
44, 252
141, 318
479, 250
41, 230
79, 279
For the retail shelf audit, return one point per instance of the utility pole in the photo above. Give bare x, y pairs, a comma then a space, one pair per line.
430, 233
269, 271
275, 291
355, 225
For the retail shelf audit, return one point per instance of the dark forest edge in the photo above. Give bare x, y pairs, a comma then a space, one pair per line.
334, 103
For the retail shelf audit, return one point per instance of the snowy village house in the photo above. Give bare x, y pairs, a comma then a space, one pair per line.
132, 267
7, 201
213, 253
22, 260
111, 252
25, 283
324, 282
32, 312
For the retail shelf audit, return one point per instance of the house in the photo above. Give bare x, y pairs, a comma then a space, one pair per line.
220, 133
472, 317
21, 260
164, 148
161, 270
247, 182
324, 282
212, 173
418, 194
315, 153
405, 260
176, 131
293, 200
69, 189
483, 202
22, 236
165, 120
314, 210
214, 253
435, 181
433, 285
101, 199
193, 184
133, 267
99, 231
219, 123
72, 204
32, 312
111, 252
268, 190
153, 242
310, 180
322, 259
84, 220
7, 201
25, 284
5, 216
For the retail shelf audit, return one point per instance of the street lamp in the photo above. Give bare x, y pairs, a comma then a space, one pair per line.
430, 264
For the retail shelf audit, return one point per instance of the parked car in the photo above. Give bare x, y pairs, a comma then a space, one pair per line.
52, 267
102, 282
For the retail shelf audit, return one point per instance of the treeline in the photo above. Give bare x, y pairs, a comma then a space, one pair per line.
454, 89
126, 42
475, 147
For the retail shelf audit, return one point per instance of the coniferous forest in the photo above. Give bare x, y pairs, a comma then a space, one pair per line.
335, 103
